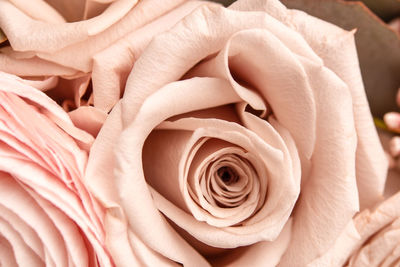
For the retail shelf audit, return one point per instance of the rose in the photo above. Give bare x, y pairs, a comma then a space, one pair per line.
220, 118
380, 235
73, 42
47, 216
371, 239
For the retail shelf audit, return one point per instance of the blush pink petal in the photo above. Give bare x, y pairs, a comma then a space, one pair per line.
33, 67
371, 238
88, 118
47, 164
379, 231
262, 254
140, 217
330, 191
317, 130
241, 59
106, 43
272, 215
44, 84
339, 253
85, 48
112, 65
50, 108
39, 10
51, 36
336, 48
339, 54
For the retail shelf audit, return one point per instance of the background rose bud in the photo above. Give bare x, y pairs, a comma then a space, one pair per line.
47, 216
264, 97
89, 46
395, 24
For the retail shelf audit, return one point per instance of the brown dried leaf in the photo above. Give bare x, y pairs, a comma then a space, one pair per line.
386, 9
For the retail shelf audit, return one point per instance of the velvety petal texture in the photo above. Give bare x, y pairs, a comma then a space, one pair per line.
88, 44
232, 122
48, 217
372, 238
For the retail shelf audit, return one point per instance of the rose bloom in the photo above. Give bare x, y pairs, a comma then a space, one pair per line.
371, 239
243, 138
83, 49
47, 216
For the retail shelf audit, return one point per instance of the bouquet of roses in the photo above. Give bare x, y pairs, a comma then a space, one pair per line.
168, 133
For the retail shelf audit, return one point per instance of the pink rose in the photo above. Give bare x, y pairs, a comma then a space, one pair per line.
371, 239
47, 216
231, 123
86, 48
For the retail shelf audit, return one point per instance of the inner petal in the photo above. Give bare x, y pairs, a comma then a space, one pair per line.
227, 175
223, 182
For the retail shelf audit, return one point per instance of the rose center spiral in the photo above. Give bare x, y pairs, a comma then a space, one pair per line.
227, 175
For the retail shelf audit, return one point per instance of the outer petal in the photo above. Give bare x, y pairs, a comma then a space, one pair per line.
112, 65
337, 49
50, 37
85, 48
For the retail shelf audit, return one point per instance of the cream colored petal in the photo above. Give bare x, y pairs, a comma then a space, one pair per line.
39, 10
89, 119
261, 225
265, 254
330, 191
47, 37
32, 67
339, 253
376, 250
337, 49
193, 47
339, 53
44, 84
85, 48
206, 92
112, 66
266, 64
97, 174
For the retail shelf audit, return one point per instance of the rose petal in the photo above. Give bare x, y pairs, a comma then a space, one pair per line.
85, 48
33, 67
39, 10
263, 71
337, 49
88, 118
48, 164
50, 108
112, 65
18, 26
257, 254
